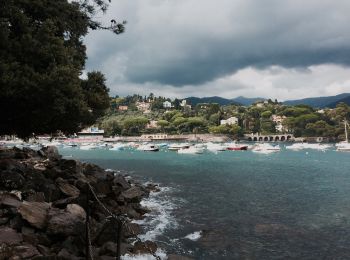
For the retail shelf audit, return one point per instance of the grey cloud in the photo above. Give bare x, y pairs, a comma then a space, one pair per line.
178, 42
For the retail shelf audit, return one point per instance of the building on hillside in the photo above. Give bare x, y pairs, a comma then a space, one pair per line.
151, 137
91, 133
153, 124
278, 120
184, 104
123, 108
167, 104
143, 106
230, 121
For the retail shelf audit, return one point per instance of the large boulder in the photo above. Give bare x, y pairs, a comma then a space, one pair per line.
35, 213
67, 189
133, 194
51, 152
69, 221
147, 247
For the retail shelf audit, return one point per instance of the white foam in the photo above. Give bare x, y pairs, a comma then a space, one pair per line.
160, 253
160, 217
194, 236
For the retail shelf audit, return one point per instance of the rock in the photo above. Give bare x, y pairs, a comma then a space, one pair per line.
64, 202
110, 249
51, 152
3, 221
64, 254
36, 197
178, 257
35, 213
120, 181
66, 222
147, 247
43, 250
131, 230
10, 200
133, 194
10, 180
68, 189
26, 251
9, 236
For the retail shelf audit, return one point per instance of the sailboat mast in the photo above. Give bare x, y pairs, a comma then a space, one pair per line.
346, 130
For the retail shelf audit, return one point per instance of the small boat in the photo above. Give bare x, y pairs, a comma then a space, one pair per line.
345, 145
88, 146
191, 150
266, 148
238, 148
148, 148
178, 146
215, 147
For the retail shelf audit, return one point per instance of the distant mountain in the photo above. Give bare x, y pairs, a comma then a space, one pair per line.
247, 101
223, 101
346, 100
320, 102
317, 102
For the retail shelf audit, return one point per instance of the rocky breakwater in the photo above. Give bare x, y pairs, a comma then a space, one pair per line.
45, 202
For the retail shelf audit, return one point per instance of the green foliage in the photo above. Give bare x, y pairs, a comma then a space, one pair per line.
41, 58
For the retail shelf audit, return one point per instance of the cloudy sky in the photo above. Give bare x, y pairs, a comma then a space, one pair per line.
286, 49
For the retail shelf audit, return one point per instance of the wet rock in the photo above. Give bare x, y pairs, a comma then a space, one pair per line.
110, 249
66, 222
35, 213
147, 247
152, 188
121, 182
131, 230
9, 236
133, 194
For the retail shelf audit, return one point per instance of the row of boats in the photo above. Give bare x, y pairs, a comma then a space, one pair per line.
188, 148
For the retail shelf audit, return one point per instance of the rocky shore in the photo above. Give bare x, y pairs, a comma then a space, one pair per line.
45, 202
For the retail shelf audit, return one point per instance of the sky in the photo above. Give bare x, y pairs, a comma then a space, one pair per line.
286, 49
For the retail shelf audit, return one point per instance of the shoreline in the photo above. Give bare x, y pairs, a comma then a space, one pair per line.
43, 207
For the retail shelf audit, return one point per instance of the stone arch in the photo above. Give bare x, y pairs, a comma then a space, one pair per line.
250, 139
255, 139
283, 138
271, 138
266, 139
277, 138
289, 137
260, 138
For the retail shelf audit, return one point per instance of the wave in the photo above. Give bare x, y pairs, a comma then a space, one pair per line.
160, 216
194, 236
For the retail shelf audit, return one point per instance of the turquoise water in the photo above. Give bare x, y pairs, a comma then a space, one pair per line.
287, 205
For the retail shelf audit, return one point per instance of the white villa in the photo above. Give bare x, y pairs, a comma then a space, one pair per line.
230, 121
167, 104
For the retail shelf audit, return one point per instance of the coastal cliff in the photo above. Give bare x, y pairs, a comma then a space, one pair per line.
66, 209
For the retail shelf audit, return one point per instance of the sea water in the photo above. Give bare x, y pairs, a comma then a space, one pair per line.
239, 204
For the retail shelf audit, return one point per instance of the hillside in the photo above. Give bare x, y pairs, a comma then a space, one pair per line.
346, 100
221, 101
319, 102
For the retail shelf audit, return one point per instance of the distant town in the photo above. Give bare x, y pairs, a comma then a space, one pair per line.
263, 120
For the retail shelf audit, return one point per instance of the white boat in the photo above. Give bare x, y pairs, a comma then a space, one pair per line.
148, 148
178, 146
345, 145
301, 146
266, 148
215, 147
191, 150
88, 146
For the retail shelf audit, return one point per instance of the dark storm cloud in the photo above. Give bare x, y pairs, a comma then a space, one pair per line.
190, 42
